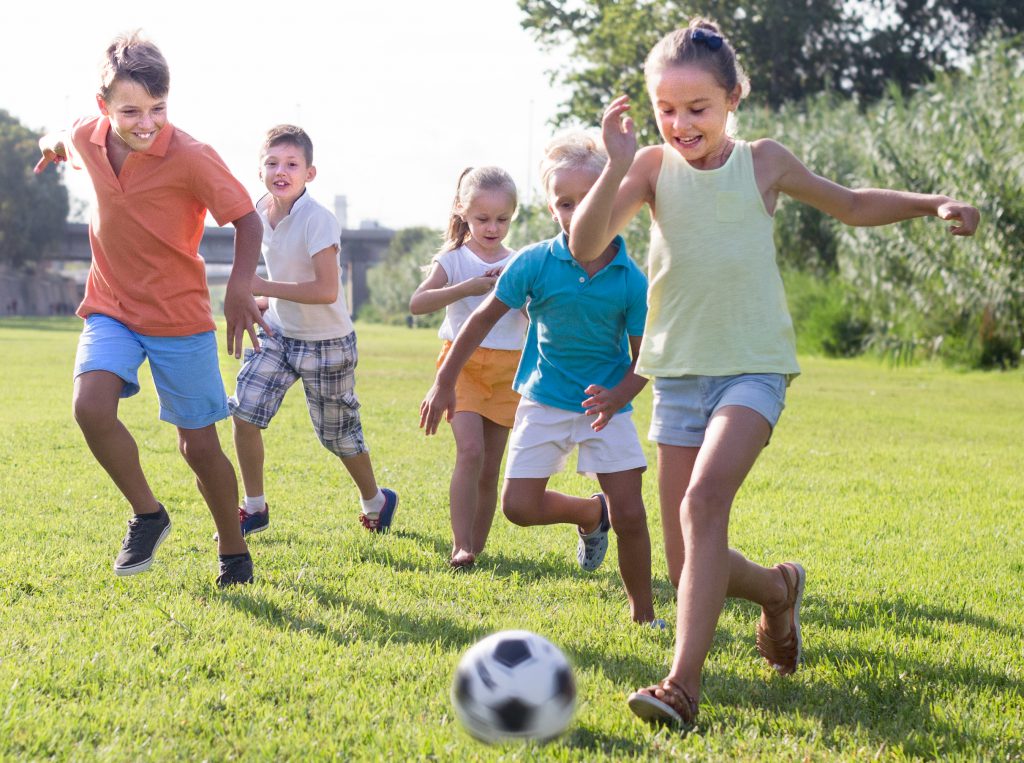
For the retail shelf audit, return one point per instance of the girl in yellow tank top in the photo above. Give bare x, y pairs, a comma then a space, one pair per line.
717, 319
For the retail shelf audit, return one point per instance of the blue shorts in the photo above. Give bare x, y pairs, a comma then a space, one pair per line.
683, 405
186, 369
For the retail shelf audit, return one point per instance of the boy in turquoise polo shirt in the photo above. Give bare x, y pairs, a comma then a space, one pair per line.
575, 377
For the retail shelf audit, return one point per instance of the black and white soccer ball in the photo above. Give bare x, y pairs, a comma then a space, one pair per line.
514, 685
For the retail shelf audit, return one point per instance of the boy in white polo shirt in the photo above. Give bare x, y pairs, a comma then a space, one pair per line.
313, 338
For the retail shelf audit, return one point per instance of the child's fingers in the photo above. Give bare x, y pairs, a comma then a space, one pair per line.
42, 164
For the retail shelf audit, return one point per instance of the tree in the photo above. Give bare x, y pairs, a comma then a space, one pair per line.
33, 208
792, 48
393, 280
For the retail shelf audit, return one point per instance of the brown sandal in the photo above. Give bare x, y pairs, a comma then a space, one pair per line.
667, 702
784, 654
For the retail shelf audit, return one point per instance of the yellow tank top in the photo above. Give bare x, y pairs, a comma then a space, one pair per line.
716, 306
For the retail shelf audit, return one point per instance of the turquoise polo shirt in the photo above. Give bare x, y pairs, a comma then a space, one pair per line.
579, 325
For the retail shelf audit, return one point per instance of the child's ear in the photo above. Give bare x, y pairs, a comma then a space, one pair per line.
102, 105
551, 211
310, 174
733, 98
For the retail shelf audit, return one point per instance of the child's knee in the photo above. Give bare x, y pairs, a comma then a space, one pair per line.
515, 507
628, 517
199, 447
705, 509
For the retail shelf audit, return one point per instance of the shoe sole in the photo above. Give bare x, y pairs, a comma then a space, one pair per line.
652, 709
801, 582
142, 566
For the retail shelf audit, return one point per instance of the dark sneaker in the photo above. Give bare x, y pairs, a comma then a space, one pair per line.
382, 522
256, 522
591, 548
235, 571
141, 541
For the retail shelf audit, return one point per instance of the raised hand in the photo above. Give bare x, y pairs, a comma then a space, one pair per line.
618, 132
53, 153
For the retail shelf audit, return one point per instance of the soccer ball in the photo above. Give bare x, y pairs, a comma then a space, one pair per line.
514, 685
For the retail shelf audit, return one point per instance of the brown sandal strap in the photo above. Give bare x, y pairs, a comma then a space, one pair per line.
791, 583
676, 697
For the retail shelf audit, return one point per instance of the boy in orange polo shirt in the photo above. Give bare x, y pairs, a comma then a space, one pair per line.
146, 296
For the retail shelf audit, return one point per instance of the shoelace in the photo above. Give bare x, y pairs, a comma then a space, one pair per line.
134, 528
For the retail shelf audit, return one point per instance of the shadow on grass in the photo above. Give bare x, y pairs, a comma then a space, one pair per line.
583, 738
905, 616
35, 323
396, 627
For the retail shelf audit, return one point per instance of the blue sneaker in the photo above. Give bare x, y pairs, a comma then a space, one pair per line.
256, 522
591, 548
382, 522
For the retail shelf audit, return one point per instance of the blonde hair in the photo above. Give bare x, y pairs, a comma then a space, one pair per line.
573, 149
710, 50
472, 181
130, 56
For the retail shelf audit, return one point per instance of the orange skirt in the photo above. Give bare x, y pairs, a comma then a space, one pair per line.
484, 386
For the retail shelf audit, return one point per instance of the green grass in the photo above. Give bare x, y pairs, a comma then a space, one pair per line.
898, 489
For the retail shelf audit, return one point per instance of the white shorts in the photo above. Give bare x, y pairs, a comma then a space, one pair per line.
543, 437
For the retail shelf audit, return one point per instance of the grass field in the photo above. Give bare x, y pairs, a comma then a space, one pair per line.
898, 489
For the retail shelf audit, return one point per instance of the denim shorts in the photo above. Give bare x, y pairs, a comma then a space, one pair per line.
683, 405
186, 369
327, 370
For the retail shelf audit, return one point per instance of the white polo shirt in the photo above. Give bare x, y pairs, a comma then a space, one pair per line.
288, 253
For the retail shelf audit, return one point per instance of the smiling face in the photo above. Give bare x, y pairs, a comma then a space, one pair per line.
135, 116
566, 188
285, 172
692, 110
488, 216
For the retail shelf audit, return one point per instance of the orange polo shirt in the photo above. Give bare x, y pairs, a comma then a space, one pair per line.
146, 270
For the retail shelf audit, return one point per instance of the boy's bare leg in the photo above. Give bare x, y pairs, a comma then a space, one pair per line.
215, 477
464, 491
249, 449
623, 491
734, 439
95, 403
495, 438
361, 470
528, 502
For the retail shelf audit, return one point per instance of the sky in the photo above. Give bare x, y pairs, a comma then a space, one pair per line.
398, 96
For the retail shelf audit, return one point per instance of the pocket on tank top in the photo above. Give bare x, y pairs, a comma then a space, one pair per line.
728, 207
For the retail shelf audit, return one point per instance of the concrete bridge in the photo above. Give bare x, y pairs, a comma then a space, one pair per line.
360, 249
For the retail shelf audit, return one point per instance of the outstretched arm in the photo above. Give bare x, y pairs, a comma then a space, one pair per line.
434, 293
322, 290
623, 187
861, 206
440, 400
605, 403
240, 308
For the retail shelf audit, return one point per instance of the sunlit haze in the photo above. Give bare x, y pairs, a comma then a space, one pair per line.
398, 97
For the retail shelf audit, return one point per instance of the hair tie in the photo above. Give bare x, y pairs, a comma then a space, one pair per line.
710, 39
